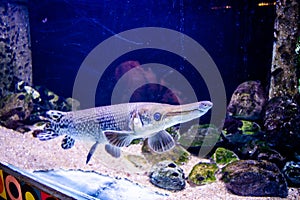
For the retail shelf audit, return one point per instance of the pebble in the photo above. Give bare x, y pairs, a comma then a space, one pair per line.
167, 175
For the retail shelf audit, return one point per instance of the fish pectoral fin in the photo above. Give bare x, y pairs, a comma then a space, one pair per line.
67, 142
91, 152
47, 135
113, 150
161, 142
119, 138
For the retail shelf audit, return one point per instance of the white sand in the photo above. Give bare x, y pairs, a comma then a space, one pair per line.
26, 152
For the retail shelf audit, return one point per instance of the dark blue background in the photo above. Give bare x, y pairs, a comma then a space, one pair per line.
63, 32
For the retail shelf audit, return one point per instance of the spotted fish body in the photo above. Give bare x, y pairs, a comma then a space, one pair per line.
117, 125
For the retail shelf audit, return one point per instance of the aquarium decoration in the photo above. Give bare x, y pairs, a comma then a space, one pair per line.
254, 178
17, 184
167, 175
26, 107
224, 156
203, 173
15, 51
284, 61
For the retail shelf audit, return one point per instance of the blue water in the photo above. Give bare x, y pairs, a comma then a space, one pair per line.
63, 32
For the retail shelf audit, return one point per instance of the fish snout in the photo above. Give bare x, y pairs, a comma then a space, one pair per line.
205, 105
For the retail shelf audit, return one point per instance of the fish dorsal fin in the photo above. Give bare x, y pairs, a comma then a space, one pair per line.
161, 142
119, 138
67, 142
113, 150
91, 152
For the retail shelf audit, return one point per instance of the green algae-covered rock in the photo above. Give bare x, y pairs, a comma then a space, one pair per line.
254, 178
249, 127
167, 175
196, 134
203, 173
224, 156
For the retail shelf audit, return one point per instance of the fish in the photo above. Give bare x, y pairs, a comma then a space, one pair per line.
118, 125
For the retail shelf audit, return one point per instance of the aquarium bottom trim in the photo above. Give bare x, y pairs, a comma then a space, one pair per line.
18, 184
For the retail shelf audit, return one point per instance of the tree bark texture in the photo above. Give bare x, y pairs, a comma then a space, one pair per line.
284, 80
15, 53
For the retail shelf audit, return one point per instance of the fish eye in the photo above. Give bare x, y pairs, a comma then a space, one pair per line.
157, 116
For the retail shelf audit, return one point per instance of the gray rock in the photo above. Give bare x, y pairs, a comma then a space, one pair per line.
247, 101
167, 175
254, 178
291, 171
282, 125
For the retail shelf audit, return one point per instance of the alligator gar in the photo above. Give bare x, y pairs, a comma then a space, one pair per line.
117, 125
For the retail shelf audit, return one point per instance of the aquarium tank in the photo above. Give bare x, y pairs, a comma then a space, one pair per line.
170, 99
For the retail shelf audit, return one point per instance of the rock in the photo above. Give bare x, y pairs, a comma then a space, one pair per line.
15, 109
193, 139
167, 175
249, 127
254, 178
51, 101
232, 126
178, 155
244, 146
291, 171
22, 109
203, 173
282, 125
254, 147
271, 155
280, 113
224, 156
247, 101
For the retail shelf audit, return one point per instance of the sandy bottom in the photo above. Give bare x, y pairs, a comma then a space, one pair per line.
26, 152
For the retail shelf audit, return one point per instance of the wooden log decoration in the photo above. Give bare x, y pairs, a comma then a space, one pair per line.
284, 80
15, 53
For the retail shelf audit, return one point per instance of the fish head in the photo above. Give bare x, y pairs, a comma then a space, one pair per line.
56, 125
149, 119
